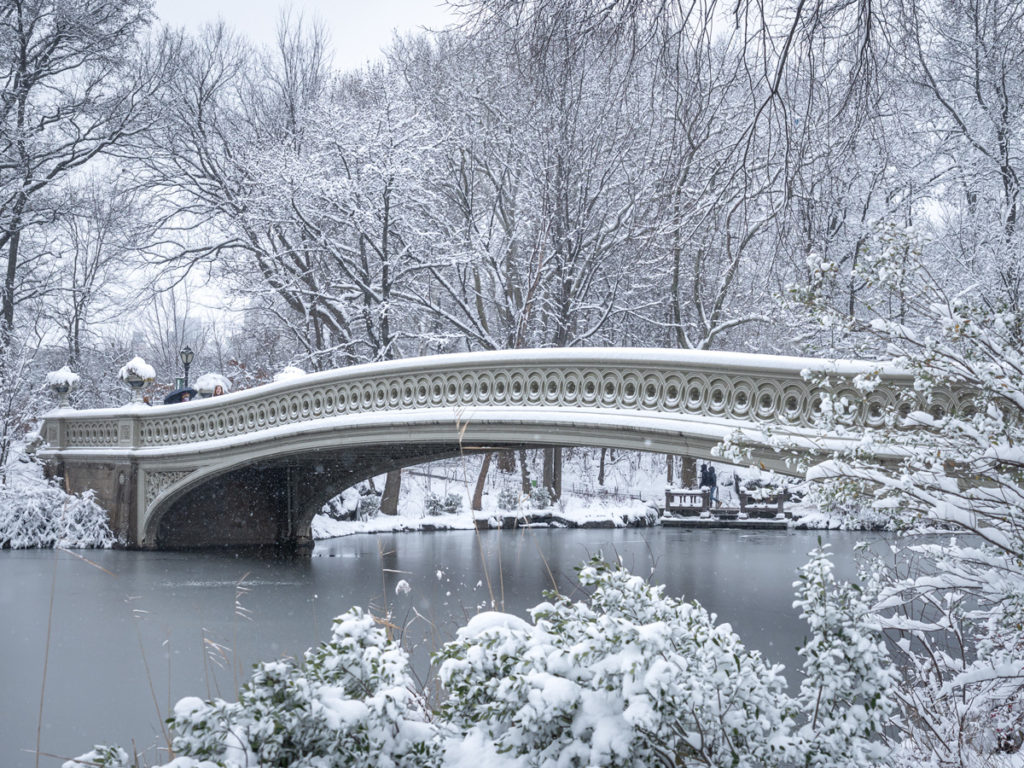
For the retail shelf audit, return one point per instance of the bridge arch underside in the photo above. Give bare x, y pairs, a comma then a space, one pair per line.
268, 494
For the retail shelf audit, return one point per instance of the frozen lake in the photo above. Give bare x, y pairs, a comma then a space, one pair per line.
132, 632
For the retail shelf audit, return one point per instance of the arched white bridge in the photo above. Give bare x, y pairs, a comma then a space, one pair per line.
253, 467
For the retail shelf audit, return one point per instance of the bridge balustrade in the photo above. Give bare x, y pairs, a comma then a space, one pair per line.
733, 388
141, 458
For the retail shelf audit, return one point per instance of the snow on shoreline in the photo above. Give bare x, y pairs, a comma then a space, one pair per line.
573, 513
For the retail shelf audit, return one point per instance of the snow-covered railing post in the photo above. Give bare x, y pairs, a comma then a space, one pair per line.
62, 382
136, 374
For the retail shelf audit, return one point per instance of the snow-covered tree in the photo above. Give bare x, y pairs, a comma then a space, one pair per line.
950, 458
74, 79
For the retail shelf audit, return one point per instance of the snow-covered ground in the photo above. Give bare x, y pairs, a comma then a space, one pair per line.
572, 511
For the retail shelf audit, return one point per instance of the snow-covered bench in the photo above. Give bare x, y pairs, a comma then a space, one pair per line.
687, 501
757, 505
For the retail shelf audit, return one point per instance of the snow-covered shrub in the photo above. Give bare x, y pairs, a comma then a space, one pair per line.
433, 504
38, 513
344, 506
540, 497
449, 504
508, 499
102, 757
369, 506
846, 511
848, 691
628, 678
21, 397
349, 704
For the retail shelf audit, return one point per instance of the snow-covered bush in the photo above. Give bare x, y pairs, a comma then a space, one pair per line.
21, 397
449, 504
344, 506
628, 678
540, 497
848, 512
369, 506
38, 513
289, 372
508, 499
102, 757
349, 704
432, 504
848, 691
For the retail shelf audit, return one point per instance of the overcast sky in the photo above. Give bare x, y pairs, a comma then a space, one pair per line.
358, 28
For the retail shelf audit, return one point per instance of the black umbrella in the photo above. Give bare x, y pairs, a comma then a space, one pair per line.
178, 395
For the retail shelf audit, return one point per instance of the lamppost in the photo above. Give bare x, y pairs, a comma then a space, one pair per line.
186, 359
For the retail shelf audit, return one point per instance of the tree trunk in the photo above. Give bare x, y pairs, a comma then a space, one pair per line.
600, 467
478, 492
8, 292
688, 473
547, 475
556, 473
670, 462
524, 470
392, 487
506, 462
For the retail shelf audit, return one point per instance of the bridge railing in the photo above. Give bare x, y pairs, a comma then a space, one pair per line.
745, 389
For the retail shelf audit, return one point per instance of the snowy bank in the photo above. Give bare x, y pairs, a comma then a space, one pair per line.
571, 513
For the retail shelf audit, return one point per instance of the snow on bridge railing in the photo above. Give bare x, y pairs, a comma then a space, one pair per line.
730, 387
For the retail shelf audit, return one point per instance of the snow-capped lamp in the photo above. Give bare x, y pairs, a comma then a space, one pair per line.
62, 382
136, 373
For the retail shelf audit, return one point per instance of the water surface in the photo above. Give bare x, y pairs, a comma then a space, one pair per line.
132, 632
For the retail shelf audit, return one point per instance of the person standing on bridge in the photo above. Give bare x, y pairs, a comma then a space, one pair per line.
713, 484
705, 482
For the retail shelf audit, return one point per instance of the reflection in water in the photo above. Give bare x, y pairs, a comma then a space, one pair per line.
194, 623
